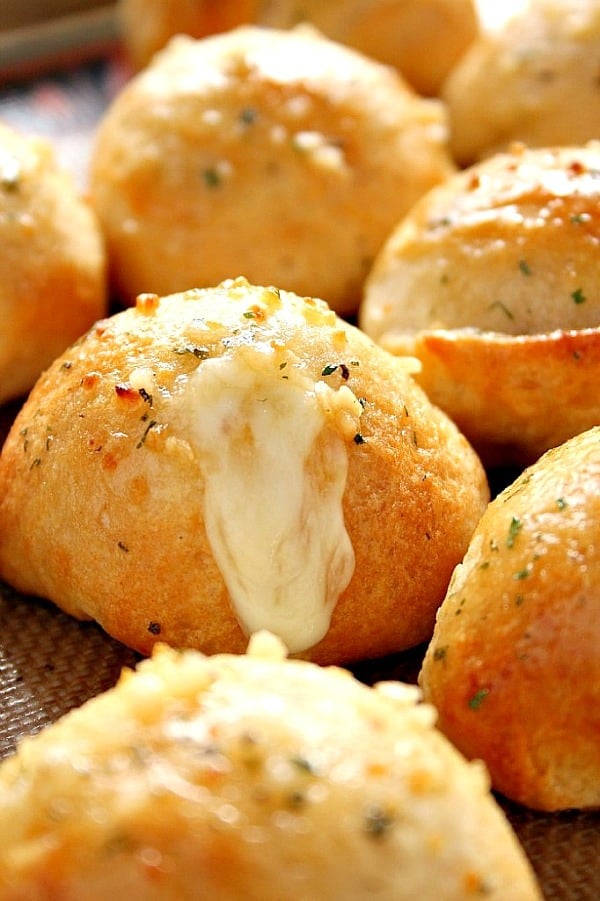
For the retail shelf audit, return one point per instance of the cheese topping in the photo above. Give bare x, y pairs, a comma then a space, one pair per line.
271, 445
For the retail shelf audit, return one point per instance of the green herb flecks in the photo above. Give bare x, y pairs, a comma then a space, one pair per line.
198, 351
377, 821
212, 177
442, 222
524, 267
459, 609
303, 765
248, 115
334, 367
513, 530
502, 307
478, 698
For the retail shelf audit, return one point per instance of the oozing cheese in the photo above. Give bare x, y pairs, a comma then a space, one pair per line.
271, 445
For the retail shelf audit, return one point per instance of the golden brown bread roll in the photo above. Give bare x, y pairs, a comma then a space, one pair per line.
514, 665
391, 31
423, 39
52, 263
148, 25
491, 281
237, 458
255, 778
278, 154
535, 80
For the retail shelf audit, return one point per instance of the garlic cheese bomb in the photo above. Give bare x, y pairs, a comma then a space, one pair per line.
391, 31
277, 154
52, 262
514, 665
503, 261
256, 778
534, 80
225, 460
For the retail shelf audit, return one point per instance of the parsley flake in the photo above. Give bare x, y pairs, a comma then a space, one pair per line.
524, 267
329, 369
304, 765
212, 178
513, 530
248, 115
502, 307
478, 698
201, 353
377, 821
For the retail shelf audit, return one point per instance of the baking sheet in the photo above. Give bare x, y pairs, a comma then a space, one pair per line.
50, 663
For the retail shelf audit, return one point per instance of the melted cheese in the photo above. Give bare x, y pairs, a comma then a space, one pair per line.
271, 445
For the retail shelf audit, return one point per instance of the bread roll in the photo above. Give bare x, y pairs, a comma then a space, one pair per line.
148, 25
534, 80
514, 665
52, 264
277, 154
423, 39
391, 31
491, 281
251, 777
232, 459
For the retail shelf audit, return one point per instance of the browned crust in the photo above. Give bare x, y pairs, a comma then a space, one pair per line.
391, 32
514, 397
104, 515
514, 664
